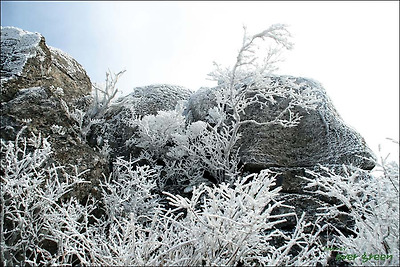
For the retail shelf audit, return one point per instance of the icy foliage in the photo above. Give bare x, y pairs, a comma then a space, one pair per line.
224, 224
82, 121
104, 94
248, 83
156, 131
17, 46
184, 199
30, 195
134, 186
212, 151
372, 202
122, 117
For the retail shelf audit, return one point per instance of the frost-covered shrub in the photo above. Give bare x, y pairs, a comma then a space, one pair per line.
32, 190
372, 202
41, 223
202, 145
232, 224
129, 207
129, 189
189, 153
247, 84
155, 132
218, 225
82, 122
186, 152
223, 224
104, 94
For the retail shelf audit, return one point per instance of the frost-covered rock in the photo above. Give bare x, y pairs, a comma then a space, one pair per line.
17, 46
142, 101
37, 84
26, 61
322, 137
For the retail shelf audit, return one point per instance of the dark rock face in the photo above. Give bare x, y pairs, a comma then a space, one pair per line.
26, 61
142, 101
36, 80
322, 137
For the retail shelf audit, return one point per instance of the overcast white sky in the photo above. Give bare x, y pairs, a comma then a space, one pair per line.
352, 48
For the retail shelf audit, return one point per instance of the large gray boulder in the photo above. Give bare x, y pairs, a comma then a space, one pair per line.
322, 137
142, 101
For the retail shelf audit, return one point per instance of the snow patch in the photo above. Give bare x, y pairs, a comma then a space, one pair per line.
17, 46
67, 62
32, 92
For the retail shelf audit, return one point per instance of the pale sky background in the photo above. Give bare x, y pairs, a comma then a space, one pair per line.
352, 48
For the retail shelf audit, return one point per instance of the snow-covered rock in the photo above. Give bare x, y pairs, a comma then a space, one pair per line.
37, 82
322, 137
17, 46
26, 61
147, 100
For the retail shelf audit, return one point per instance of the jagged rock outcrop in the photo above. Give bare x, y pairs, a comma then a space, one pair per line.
37, 82
147, 100
322, 137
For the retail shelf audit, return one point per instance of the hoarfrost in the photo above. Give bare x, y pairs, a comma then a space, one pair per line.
17, 46
67, 63
149, 99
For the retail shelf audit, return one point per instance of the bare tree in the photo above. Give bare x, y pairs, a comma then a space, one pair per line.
103, 95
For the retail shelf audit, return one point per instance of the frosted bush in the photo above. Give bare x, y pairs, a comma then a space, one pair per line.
372, 203
155, 131
219, 225
81, 121
104, 94
228, 225
129, 189
219, 216
224, 224
32, 190
203, 146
